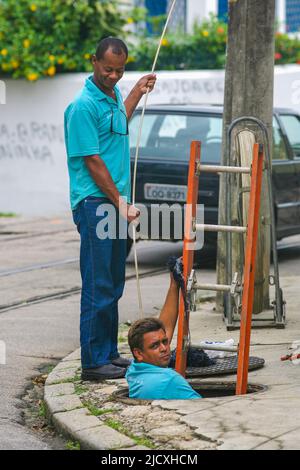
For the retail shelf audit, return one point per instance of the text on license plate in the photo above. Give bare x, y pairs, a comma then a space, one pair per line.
165, 192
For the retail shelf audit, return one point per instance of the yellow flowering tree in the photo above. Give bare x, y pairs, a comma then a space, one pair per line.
43, 37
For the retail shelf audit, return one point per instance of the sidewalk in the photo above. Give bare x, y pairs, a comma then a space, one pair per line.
90, 413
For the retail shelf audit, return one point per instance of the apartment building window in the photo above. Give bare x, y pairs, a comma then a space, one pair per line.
157, 7
292, 16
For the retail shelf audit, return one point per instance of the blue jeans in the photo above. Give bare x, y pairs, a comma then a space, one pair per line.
102, 267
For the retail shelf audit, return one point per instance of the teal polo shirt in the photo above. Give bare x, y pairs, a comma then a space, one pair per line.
95, 123
149, 382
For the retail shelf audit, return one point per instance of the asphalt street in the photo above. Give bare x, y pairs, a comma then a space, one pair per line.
39, 306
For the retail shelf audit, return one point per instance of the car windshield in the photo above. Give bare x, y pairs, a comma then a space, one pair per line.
169, 135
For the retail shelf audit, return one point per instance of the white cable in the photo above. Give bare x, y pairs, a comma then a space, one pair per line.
141, 314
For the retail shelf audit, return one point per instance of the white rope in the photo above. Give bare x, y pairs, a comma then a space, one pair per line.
141, 314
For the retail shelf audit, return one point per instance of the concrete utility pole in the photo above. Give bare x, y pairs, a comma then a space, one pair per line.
248, 92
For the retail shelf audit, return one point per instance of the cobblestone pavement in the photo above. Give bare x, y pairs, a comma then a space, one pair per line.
95, 414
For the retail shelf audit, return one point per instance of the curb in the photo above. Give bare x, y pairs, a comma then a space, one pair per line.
69, 415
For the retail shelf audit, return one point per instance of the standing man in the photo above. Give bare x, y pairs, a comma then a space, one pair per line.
96, 136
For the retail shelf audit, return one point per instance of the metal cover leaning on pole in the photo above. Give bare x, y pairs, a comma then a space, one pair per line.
233, 321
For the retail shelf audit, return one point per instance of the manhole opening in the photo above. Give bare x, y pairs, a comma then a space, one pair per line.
221, 389
205, 388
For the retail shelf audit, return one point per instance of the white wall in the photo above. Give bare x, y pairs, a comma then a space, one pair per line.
33, 171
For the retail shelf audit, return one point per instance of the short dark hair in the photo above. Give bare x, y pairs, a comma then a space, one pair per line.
117, 46
141, 327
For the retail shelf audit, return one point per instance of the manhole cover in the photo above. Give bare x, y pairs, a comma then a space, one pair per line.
226, 365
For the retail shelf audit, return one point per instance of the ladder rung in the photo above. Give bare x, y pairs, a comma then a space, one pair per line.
224, 169
215, 287
221, 228
216, 347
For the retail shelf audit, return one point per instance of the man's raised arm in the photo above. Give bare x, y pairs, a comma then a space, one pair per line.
169, 312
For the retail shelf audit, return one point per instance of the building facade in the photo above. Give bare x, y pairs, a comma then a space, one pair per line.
188, 11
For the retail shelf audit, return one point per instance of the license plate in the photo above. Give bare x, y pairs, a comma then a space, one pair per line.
165, 192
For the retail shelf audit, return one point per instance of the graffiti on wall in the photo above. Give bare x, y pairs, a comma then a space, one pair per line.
186, 91
32, 141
